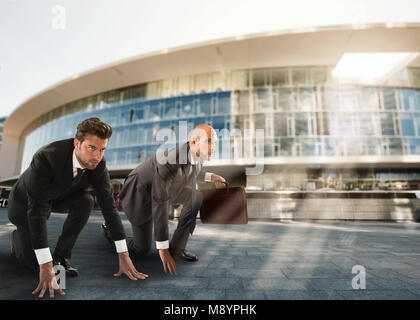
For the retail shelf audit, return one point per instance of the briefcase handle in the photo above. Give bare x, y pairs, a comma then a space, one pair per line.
226, 184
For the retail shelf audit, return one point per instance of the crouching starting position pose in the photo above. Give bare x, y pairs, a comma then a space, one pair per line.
168, 178
56, 181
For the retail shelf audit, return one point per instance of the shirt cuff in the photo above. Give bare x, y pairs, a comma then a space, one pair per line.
207, 176
43, 255
121, 246
162, 244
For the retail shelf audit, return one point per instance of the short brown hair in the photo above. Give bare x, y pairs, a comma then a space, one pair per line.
95, 127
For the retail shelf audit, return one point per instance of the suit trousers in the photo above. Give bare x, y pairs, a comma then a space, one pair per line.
78, 205
141, 242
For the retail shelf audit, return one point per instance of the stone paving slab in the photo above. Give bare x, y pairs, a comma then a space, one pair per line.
261, 260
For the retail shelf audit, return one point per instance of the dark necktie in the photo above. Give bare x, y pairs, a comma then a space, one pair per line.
194, 210
78, 178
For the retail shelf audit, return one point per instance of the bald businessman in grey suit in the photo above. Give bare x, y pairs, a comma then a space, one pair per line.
168, 178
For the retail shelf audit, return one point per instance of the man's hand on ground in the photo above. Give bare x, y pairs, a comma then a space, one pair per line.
127, 267
47, 280
167, 261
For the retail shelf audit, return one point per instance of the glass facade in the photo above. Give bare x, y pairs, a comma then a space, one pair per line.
331, 121
302, 111
135, 124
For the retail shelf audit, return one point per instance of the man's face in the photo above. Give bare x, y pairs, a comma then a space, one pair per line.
91, 151
205, 145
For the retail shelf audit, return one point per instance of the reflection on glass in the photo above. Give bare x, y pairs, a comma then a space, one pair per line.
387, 123
299, 76
301, 124
389, 99
407, 99
407, 124
369, 99
306, 99
258, 78
284, 99
279, 77
262, 101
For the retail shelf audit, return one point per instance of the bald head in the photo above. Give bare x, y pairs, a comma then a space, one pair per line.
202, 131
202, 141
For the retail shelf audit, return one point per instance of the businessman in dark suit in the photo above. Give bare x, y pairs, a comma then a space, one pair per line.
56, 181
168, 178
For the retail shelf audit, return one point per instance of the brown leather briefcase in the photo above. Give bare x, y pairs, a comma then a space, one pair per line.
224, 206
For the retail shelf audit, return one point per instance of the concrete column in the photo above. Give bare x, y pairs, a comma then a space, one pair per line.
10, 159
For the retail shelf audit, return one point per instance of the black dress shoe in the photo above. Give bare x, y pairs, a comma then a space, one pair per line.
107, 234
184, 255
70, 271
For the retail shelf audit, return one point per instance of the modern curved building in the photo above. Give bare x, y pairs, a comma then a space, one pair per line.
328, 124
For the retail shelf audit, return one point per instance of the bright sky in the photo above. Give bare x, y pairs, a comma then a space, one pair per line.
36, 53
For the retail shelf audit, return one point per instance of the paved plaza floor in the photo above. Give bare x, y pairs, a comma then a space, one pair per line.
263, 260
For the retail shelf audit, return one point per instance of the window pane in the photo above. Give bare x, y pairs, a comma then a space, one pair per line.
366, 124
187, 108
258, 78
389, 99
329, 146
259, 120
262, 100
309, 147
348, 98
387, 124
243, 101
299, 76
218, 123
224, 102
374, 146
285, 100
239, 79
319, 75
344, 128
279, 77
330, 98
417, 123
395, 147
369, 99
407, 99
286, 146
305, 99
205, 104
280, 124
407, 125
301, 124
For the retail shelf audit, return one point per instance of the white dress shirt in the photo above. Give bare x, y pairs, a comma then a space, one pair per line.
207, 178
44, 255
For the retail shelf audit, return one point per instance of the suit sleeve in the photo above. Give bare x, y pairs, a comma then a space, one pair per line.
204, 176
39, 205
162, 178
103, 193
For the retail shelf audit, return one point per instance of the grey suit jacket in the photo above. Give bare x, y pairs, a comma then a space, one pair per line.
148, 189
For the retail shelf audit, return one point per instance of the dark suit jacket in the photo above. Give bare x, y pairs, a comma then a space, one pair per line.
147, 191
49, 177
